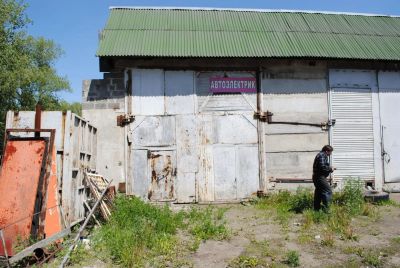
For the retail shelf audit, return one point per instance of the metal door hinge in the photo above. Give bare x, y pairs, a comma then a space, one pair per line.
125, 119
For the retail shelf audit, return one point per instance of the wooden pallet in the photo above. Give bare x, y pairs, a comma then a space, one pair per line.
97, 184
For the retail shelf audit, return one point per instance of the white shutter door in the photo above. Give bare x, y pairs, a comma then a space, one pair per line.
352, 135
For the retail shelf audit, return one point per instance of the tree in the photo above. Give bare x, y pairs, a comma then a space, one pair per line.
27, 73
75, 107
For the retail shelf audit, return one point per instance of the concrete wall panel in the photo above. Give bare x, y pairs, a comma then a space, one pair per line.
294, 94
148, 91
290, 165
186, 187
348, 78
309, 142
49, 120
247, 171
186, 143
141, 179
293, 86
389, 80
154, 131
179, 92
110, 143
205, 176
234, 129
296, 103
225, 182
389, 96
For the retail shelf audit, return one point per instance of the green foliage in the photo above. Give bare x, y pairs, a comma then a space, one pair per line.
139, 232
244, 262
136, 228
75, 107
351, 197
296, 202
328, 239
301, 200
286, 203
396, 240
371, 258
292, 258
311, 216
78, 255
368, 256
207, 224
27, 74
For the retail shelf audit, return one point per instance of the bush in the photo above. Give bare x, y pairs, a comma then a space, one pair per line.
351, 197
292, 258
301, 200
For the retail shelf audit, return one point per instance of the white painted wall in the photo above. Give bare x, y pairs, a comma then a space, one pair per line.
389, 96
294, 93
148, 92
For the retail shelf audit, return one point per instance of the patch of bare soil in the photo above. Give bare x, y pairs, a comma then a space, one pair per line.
259, 240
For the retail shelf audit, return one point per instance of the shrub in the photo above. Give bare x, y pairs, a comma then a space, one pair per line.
245, 262
301, 200
292, 258
351, 197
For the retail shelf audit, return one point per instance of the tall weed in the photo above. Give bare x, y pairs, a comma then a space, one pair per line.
351, 197
207, 223
138, 233
135, 229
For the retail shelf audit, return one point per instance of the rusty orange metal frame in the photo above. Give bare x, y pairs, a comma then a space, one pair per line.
24, 185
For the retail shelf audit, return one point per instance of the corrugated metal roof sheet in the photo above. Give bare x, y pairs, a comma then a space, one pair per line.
228, 33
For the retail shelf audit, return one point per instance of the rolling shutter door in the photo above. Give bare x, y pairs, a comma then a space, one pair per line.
352, 135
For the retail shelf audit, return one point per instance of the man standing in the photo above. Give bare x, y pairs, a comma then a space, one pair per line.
321, 170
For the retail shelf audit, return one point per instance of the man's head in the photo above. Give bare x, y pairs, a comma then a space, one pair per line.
327, 149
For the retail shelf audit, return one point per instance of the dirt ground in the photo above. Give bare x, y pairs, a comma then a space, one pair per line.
258, 240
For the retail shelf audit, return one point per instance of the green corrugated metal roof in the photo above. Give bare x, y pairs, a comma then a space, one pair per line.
230, 33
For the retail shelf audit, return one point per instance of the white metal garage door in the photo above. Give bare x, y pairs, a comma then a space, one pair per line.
352, 136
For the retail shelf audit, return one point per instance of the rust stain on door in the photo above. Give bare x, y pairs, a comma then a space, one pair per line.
53, 223
163, 174
19, 180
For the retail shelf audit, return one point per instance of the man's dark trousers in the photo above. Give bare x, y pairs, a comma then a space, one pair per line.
323, 192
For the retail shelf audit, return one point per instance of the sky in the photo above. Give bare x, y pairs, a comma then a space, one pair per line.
74, 25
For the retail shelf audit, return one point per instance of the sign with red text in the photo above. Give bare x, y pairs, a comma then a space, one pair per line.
233, 84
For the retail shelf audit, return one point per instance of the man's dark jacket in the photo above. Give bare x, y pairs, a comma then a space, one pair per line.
321, 167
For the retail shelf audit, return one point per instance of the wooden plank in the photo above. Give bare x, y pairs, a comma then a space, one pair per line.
66, 257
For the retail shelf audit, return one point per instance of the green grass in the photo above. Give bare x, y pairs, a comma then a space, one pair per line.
346, 205
207, 223
292, 258
286, 204
140, 233
245, 262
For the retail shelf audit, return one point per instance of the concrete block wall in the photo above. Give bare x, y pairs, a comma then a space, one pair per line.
102, 101
294, 93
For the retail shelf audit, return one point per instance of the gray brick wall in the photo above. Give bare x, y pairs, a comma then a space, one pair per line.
105, 93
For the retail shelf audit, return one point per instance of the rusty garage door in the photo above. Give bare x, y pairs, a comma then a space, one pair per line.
162, 171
